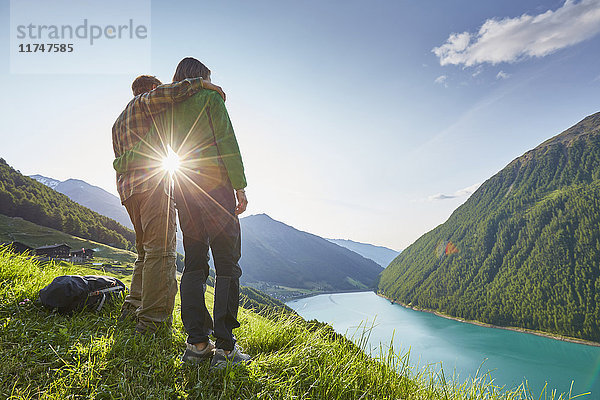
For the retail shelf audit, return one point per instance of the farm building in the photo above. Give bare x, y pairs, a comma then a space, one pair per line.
82, 255
54, 251
18, 247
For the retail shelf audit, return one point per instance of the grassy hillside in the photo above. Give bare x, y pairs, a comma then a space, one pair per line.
527, 245
21, 196
92, 356
17, 229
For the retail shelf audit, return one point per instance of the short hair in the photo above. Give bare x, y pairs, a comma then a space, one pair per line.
144, 83
189, 67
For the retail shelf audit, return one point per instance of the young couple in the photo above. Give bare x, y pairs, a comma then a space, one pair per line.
189, 117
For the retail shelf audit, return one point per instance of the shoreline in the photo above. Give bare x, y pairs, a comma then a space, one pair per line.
329, 292
486, 325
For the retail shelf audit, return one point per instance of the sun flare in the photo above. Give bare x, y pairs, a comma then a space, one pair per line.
171, 162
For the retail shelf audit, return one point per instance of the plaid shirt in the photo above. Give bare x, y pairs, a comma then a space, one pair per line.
135, 122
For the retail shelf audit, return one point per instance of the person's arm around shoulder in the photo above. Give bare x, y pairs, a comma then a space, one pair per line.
158, 99
229, 150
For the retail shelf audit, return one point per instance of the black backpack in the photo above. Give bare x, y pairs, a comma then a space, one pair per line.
69, 293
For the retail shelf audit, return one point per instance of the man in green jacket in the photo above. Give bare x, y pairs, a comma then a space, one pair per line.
210, 179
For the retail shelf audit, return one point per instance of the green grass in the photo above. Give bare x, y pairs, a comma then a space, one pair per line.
286, 293
20, 230
356, 283
92, 356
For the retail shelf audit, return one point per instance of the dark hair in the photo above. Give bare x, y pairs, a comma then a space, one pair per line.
144, 83
189, 67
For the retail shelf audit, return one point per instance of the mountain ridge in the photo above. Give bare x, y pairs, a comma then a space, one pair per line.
284, 261
50, 182
380, 254
527, 246
90, 196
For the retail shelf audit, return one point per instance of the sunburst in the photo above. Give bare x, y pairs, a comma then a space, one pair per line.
171, 162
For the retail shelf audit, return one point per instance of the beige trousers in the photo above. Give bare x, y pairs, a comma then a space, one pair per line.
153, 284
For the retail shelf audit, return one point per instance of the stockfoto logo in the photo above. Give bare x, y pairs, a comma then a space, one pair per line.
83, 31
80, 37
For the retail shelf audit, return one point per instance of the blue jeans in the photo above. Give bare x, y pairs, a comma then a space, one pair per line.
208, 220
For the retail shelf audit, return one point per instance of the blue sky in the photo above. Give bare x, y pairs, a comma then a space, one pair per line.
364, 120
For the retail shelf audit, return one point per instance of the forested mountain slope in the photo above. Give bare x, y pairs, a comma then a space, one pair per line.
21, 196
90, 196
523, 250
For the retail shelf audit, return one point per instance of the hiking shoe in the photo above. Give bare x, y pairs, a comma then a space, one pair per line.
221, 360
192, 354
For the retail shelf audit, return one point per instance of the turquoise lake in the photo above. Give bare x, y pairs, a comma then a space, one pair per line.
462, 348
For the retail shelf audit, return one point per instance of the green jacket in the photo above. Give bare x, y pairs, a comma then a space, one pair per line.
200, 132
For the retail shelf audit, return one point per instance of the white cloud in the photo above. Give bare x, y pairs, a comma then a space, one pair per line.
441, 80
440, 196
466, 192
502, 75
514, 39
